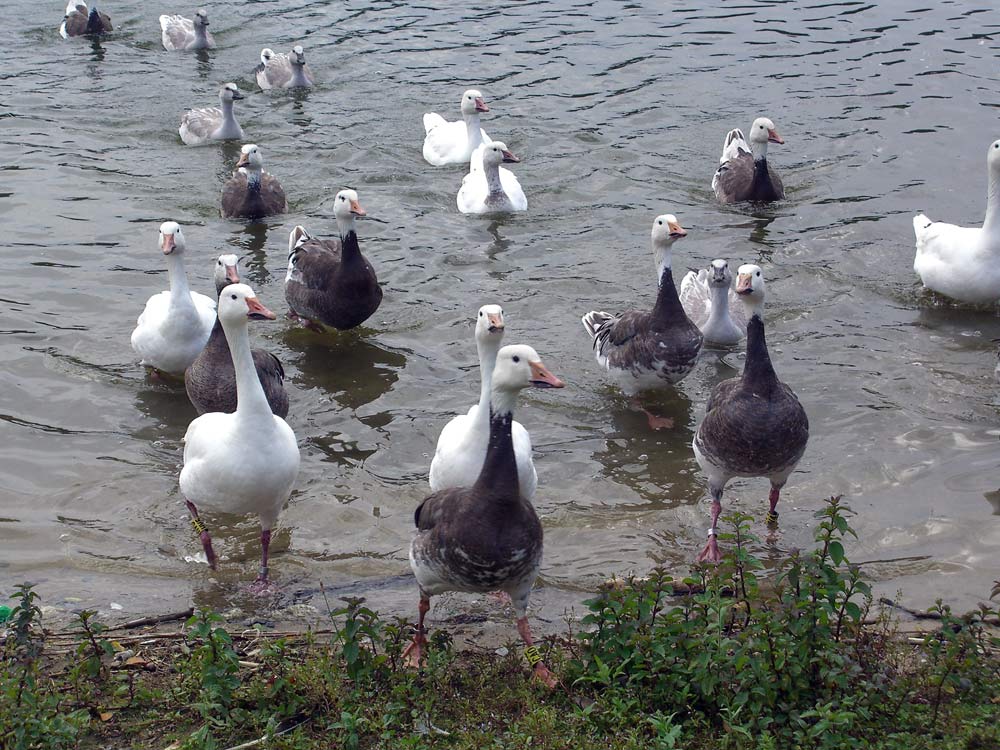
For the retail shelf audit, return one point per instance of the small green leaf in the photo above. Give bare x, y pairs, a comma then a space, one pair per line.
836, 550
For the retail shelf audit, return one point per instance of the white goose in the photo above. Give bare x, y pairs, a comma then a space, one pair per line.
183, 33
461, 447
247, 461
711, 304
453, 142
961, 262
489, 191
206, 124
174, 325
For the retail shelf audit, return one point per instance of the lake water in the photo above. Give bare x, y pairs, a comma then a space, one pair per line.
618, 111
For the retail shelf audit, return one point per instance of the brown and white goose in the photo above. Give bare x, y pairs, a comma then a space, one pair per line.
180, 33
251, 193
210, 381
744, 173
486, 537
329, 282
645, 350
280, 71
754, 426
79, 21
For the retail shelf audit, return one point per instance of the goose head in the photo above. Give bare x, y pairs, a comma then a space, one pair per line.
497, 153
172, 238
229, 93
298, 56
250, 157
226, 271
750, 288
345, 209
762, 131
472, 102
489, 324
518, 366
201, 17
666, 231
265, 56
238, 304
993, 159
719, 274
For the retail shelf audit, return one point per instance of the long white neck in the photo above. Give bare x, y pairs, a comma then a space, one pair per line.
298, 75
758, 149
503, 401
754, 307
492, 173
991, 223
250, 398
719, 313
345, 224
663, 257
487, 361
474, 133
180, 291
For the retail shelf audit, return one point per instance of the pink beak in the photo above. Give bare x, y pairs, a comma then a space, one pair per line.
231, 275
773, 137
676, 230
257, 311
542, 378
481, 105
744, 283
495, 321
356, 209
168, 244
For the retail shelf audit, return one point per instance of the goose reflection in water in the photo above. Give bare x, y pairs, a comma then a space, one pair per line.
249, 242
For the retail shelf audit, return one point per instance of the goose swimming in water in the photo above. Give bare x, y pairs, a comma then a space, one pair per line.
175, 325
486, 537
180, 33
710, 303
329, 282
200, 126
280, 71
461, 447
486, 189
252, 193
79, 21
963, 262
754, 425
744, 173
247, 461
454, 142
210, 381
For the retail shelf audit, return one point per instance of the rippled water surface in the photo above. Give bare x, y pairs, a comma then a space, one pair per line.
618, 112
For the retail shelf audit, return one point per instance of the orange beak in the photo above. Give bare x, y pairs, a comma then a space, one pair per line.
244, 161
481, 105
231, 275
676, 230
542, 378
356, 209
744, 283
773, 137
509, 158
256, 311
495, 321
168, 244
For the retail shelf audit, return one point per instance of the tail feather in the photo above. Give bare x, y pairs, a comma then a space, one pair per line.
594, 321
734, 143
431, 121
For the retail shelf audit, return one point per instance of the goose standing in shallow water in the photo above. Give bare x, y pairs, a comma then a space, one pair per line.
963, 262
210, 381
489, 190
454, 142
461, 447
744, 174
174, 326
329, 282
646, 350
708, 299
280, 71
79, 21
200, 126
247, 461
183, 33
251, 193
754, 426
486, 537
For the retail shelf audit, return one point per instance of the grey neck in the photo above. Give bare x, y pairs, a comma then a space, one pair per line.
200, 36
299, 75
229, 127
253, 177
759, 150
494, 188
719, 314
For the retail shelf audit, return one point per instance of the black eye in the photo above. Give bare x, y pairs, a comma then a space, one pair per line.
234, 296
660, 223
516, 358
480, 313
758, 273
761, 127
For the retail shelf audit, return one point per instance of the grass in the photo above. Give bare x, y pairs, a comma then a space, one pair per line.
800, 663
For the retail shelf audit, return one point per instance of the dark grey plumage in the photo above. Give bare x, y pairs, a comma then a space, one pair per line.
744, 179
246, 199
83, 22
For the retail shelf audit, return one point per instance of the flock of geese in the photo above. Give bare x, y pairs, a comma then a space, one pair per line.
478, 531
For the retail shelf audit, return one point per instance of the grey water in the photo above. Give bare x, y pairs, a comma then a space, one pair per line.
618, 111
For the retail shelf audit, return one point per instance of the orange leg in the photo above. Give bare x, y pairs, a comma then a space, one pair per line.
414, 653
542, 673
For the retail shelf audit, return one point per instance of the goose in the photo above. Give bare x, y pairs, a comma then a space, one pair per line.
646, 350
251, 193
175, 325
247, 461
708, 299
79, 21
744, 174
183, 33
754, 425
454, 142
487, 536
329, 282
210, 381
961, 262
461, 447
200, 126
280, 71
488, 191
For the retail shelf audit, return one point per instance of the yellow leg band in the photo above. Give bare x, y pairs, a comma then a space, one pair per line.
772, 516
198, 526
532, 655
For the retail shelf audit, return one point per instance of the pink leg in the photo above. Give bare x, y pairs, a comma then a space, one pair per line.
500, 597
202, 532
772, 514
414, 653
655, 422
710, 553
542, 673
265, 543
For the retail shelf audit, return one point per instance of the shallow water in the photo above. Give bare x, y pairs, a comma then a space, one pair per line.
618, 112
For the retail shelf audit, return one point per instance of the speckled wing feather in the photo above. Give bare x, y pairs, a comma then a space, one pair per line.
202, 122
733, 179
428, 514
178, 31
272, 195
